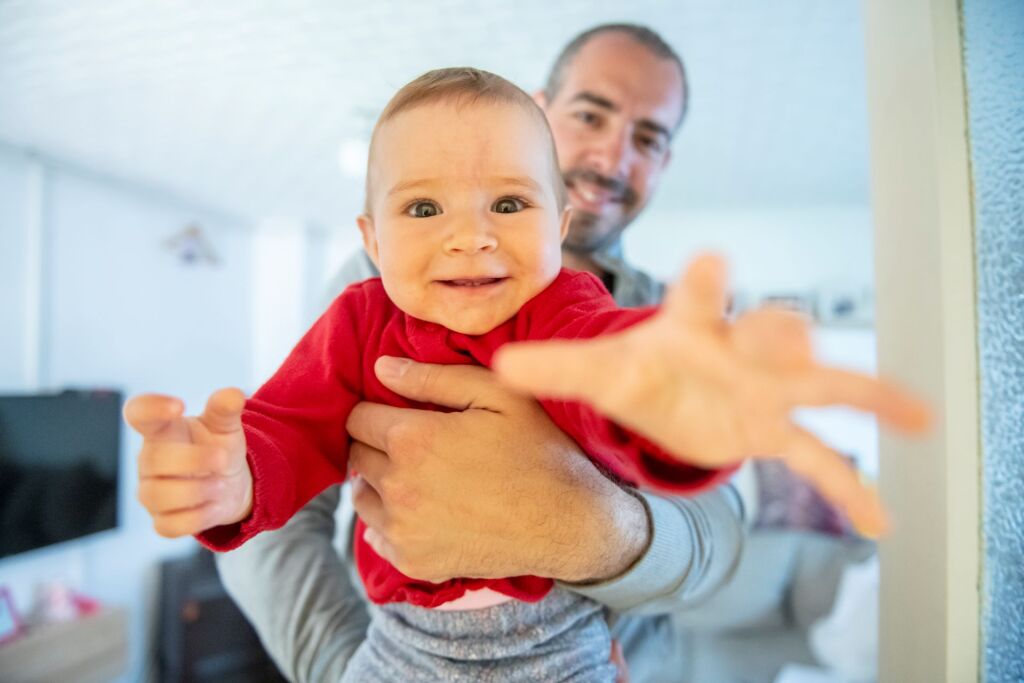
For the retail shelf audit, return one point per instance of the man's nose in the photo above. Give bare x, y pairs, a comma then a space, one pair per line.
470, 235
610, 154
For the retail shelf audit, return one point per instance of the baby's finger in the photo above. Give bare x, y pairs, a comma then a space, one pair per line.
832, 386
186, 522
585, 370
223, 411
837, 481
154, 416
699, 295
773, 338
162, 496
182, 460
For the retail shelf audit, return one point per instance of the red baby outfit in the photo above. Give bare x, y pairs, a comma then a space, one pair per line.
295, 423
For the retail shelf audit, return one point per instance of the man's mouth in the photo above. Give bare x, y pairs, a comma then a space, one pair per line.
591, 192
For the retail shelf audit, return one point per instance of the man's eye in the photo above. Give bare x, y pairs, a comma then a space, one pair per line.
423, 210
588, 117
507, 205
650, 144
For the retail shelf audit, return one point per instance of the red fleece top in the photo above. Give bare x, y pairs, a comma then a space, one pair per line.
295, 424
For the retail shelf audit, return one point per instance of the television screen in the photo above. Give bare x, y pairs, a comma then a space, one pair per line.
59, 462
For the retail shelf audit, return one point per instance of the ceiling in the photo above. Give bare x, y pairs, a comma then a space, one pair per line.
243, 105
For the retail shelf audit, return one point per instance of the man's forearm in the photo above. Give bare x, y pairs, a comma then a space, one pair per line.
295, 590
695, 544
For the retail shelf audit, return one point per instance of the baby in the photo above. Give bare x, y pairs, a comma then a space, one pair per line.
465, 213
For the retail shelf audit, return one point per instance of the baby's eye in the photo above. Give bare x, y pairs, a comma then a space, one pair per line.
507, 205
423, 209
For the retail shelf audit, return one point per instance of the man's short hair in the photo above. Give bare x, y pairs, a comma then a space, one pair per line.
641, 34
464, 86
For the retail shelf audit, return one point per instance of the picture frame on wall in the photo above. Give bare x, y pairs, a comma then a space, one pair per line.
11, 625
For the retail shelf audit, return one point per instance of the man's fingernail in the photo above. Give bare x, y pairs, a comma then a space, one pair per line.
389, 367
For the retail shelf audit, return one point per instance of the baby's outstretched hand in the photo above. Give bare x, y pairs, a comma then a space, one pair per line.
193, 474
715, 392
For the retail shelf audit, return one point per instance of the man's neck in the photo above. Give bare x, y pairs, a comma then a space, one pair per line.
580, 262
584, 263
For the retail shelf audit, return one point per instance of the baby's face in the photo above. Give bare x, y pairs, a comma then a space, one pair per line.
465, 225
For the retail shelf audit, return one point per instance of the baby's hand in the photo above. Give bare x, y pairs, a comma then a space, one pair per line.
193, 474
715, 392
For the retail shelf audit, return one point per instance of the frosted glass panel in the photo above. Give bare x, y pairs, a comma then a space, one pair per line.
994, 55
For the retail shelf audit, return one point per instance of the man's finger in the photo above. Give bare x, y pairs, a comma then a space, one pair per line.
368, 462
182, 460
372, 423
452, 386
699, 295
582, 370
368, 504
154, 415
837, 481
893, 405
223, 411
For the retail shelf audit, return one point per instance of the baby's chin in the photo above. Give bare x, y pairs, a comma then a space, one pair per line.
473, 323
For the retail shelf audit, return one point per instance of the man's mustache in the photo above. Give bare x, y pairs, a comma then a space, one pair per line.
620, 191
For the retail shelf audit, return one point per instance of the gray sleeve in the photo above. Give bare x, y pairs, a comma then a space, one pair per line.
695, 546
292, 584
294, 588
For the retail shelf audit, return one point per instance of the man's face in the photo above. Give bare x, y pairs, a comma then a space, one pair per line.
612, 120
465, 224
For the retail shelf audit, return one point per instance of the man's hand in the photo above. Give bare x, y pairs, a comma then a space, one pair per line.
193, 474
715, 393
490, 491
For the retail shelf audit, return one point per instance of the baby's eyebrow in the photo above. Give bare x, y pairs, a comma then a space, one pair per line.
520, 181
404, 185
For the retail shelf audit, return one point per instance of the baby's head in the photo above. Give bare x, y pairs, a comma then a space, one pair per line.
465, 205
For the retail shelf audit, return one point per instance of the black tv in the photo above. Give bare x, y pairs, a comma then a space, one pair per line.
59, 465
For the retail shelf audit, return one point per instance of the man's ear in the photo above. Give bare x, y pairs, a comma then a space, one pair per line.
541, 99
566, 220
666, 159
369, 234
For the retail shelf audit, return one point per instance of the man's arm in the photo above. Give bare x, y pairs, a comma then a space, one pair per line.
696, 544
293, 587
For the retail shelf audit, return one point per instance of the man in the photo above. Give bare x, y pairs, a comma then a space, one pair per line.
614, 99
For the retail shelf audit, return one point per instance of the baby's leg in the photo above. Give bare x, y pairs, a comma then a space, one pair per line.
562, 638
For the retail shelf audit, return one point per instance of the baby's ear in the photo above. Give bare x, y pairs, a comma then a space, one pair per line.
566, 220
369, 234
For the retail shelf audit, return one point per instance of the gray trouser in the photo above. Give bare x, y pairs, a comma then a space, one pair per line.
564, 637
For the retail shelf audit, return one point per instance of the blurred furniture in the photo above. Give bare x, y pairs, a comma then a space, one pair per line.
203, 637
89, 649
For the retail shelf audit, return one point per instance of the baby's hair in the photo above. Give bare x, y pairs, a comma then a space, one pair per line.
463, 86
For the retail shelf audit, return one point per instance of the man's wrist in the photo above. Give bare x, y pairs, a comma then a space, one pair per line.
617, 534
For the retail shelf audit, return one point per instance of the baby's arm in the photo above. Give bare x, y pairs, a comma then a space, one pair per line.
287, 443
713, 392
193, 473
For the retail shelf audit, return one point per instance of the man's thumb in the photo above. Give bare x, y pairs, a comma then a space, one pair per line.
223, 411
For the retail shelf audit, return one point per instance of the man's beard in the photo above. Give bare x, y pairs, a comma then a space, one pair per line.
586, 235
590, 232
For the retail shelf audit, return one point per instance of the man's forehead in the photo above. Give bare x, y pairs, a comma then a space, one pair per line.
616, 72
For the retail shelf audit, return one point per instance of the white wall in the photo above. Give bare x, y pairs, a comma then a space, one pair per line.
117, 310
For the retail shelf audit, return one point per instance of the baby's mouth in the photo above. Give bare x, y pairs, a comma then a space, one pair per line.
472, 281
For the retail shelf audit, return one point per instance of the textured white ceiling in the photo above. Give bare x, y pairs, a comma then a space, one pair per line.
242, 104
